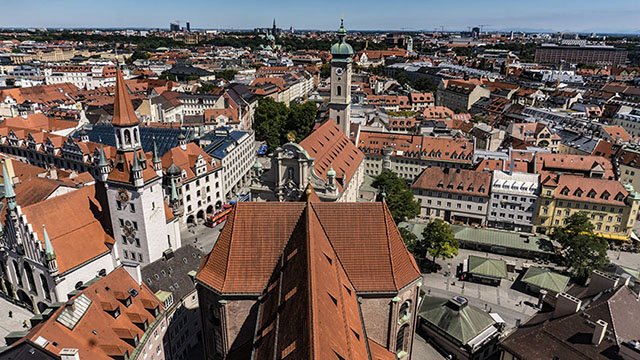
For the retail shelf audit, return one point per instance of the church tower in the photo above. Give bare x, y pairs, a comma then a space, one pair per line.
341, 68
134, 189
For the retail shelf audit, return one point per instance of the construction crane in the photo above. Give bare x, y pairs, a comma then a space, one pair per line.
482, 27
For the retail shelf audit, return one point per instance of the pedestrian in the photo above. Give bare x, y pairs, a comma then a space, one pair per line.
520, 302
10, 314
24, 324
196, 239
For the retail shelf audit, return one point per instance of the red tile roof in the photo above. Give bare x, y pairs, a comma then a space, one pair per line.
310, 308
365, 239
417, 146
76, 239
330, 148
98, 334
457, 181
123, 112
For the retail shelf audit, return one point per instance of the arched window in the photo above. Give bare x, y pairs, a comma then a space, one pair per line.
127, 137
402, 339
405, 310
339, 90
118, 139
136, 136
45, 287
30, 280
16, 268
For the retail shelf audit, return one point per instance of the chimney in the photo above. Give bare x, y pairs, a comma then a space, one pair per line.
134, 271
599, 332
74, 354
566, 305
601, 281
541, 296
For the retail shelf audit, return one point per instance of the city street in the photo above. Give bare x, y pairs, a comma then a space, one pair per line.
200, 236
509, 303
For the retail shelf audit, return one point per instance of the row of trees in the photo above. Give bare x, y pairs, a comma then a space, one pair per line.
274, 121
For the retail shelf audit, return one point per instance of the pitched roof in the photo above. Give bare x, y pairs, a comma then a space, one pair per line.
544, 278
186, 159
482, 266
569, 163
462, 323
330, 148
459, 181
123, 112
94, 332
310, 308
365, 239
76, 239
569, 337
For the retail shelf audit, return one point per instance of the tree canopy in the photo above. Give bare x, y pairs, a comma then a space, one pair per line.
438, 240
274, 121
399, 196
583, 250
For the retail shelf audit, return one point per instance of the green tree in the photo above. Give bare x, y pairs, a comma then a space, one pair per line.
301, 119
399, 196
325, 70
410, 240
583, 251
270, 119
274, 121
228, 74
438, 240
138, 55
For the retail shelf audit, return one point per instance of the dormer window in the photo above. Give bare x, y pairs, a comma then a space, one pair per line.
578, 193
565, 191
619, 197
591, 194
605, 195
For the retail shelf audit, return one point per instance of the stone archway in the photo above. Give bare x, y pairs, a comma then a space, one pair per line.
42, 306
218, 205
24, 298
200, 215
209, 209
191, 219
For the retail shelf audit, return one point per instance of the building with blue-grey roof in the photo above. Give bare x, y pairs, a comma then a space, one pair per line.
165, 138
235, 150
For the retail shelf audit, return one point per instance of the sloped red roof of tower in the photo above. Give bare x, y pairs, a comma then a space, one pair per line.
123, 112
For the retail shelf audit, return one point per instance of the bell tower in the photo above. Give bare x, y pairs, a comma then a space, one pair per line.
341, 69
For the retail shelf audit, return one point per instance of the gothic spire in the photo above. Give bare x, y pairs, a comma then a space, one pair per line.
123, 112
9, 192
48, 247
103, 158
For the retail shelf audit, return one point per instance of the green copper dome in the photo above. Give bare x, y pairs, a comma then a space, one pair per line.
341, 48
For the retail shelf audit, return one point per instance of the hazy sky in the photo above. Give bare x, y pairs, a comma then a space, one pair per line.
572, 15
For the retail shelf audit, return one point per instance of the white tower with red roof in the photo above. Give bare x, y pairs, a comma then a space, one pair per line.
143, 230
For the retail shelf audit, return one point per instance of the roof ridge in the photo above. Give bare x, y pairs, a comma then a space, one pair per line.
386, 229
310, 280
337, 273
226, 268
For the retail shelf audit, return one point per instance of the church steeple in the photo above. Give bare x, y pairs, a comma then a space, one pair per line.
125, 121
341, 69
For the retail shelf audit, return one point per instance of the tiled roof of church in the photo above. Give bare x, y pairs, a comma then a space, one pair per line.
309, 309
331, 148
365, 239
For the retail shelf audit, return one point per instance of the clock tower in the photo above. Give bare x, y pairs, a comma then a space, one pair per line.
341, 68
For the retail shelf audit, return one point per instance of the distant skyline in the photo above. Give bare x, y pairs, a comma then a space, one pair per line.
618, 16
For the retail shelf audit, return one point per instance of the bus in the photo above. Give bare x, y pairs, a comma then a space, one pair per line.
219, 217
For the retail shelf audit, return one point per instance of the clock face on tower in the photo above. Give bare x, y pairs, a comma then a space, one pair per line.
339, 71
